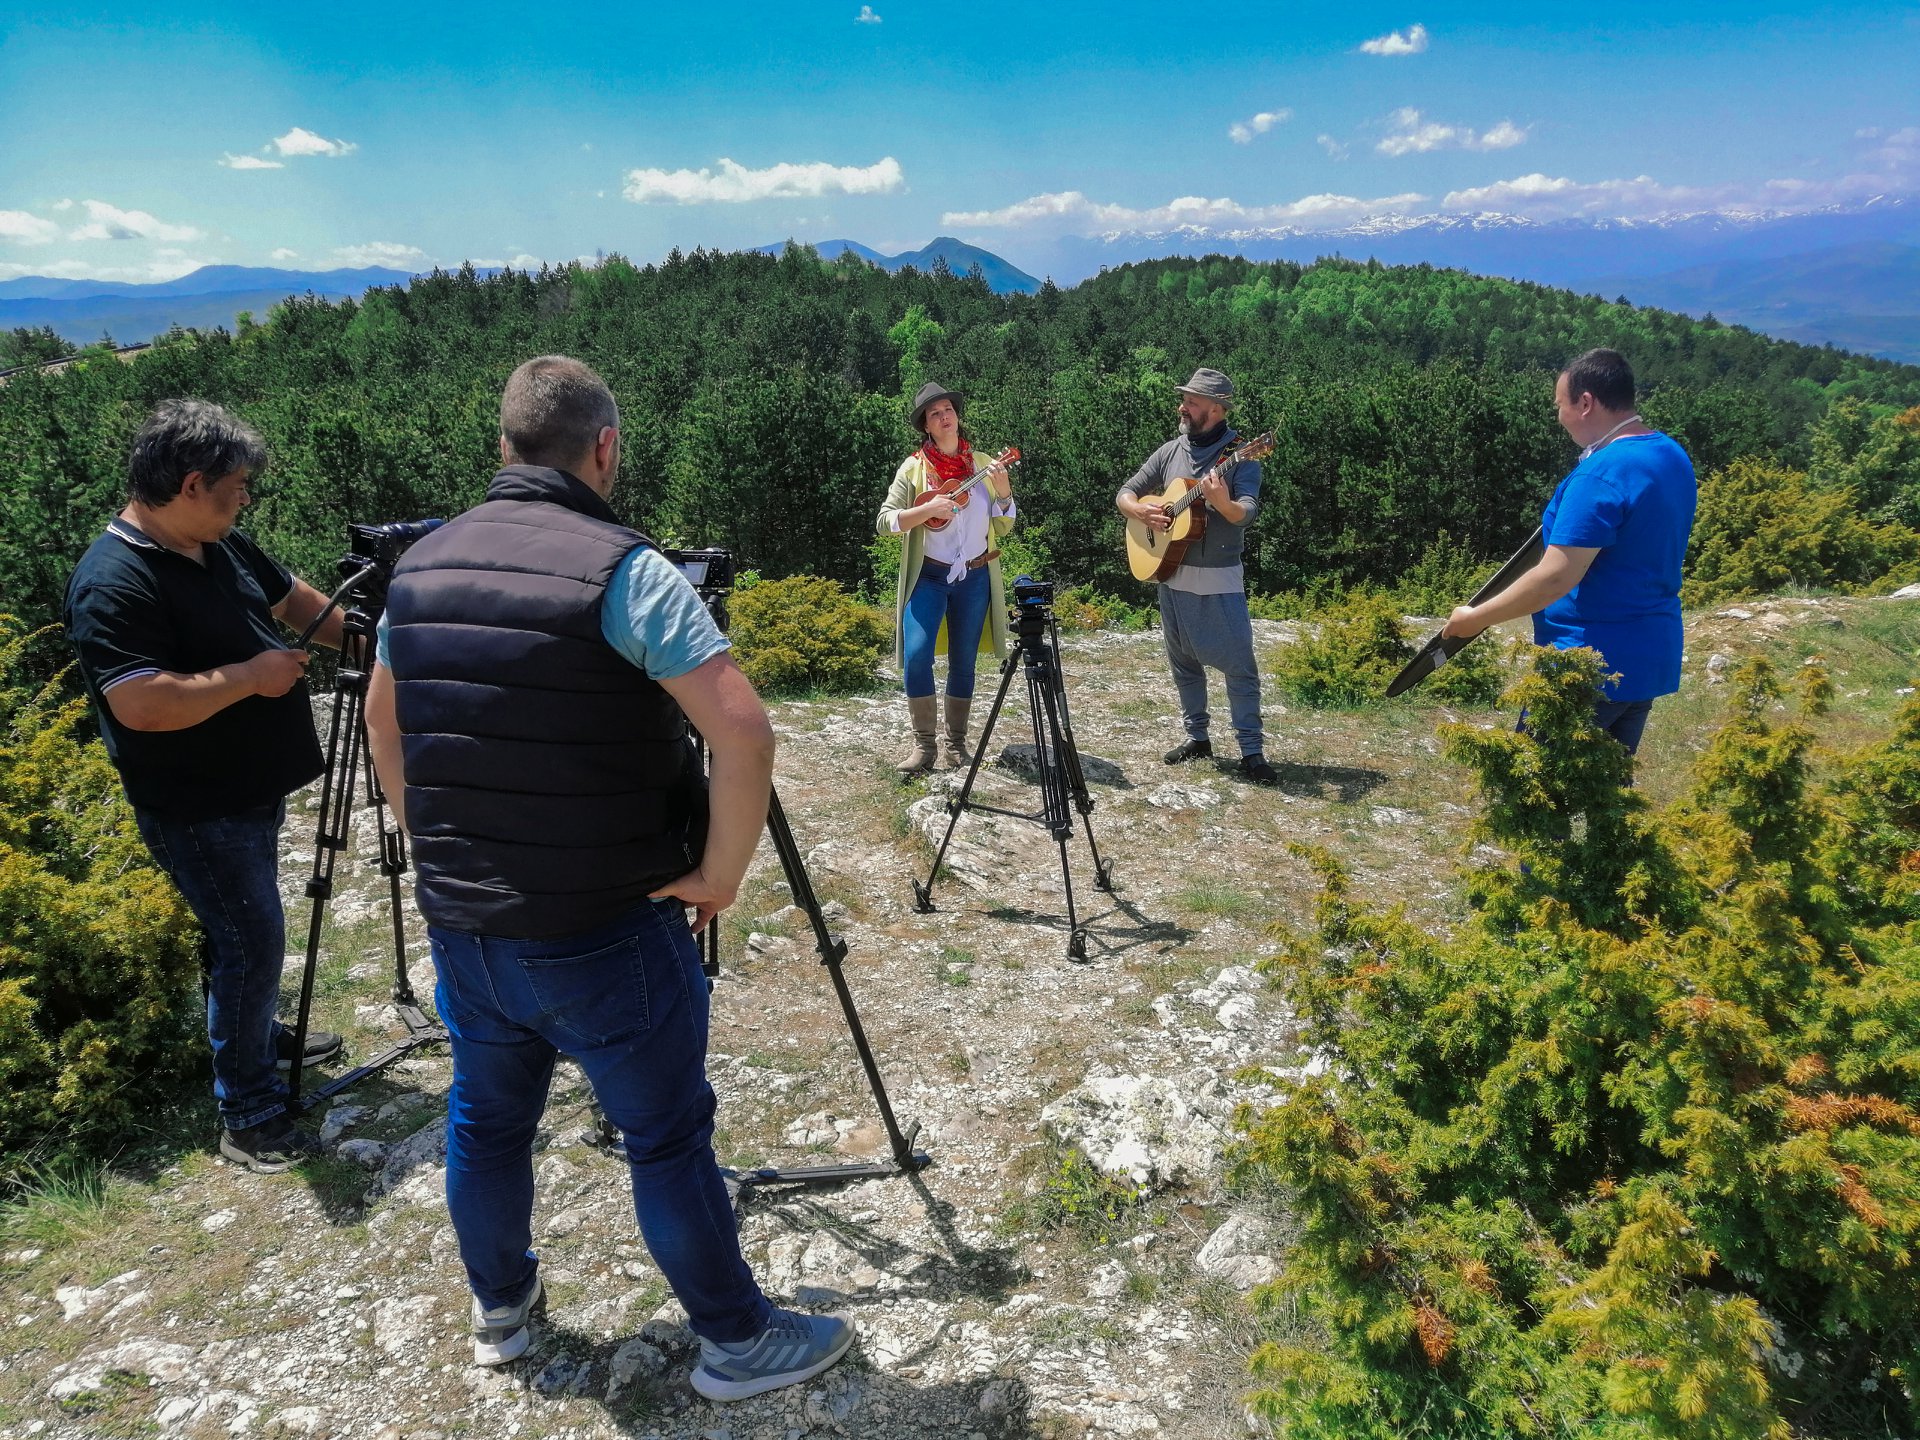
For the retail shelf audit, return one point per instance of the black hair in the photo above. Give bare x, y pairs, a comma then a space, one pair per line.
1603, 374
553, 410
183, 436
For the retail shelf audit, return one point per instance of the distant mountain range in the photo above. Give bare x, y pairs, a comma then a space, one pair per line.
1002, 278
83, 310
1846, 277
1843, 276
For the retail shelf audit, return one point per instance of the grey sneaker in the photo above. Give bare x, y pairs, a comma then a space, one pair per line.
322, 1045
792, 1348
501, 1334
269, 1147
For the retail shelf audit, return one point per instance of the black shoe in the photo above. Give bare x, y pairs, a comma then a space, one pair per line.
1191, 750
1256, 769
322, 1045
269, 1147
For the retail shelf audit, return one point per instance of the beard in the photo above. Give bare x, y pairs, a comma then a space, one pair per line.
1186, 425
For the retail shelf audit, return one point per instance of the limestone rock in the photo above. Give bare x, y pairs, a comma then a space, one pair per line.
1236, 1253
1141, 1127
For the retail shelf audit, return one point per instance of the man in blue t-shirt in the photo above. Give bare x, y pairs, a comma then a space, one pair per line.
1615, 533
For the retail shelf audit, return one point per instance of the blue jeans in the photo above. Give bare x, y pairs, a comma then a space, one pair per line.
964, 608
228, 869
1213, 630
628, 1002
1625, 720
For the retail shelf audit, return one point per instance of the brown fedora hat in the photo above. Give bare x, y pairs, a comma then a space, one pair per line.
931, 391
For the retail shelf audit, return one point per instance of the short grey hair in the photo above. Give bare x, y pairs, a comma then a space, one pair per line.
553, 410
182, 436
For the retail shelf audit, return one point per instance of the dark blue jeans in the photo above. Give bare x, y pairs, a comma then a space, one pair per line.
964, 608
229, 871
628, 1003
1625, 720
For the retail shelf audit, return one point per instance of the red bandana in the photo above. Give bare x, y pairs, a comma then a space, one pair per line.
949, 467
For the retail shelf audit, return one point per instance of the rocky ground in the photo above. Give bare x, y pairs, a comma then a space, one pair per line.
1004, 1290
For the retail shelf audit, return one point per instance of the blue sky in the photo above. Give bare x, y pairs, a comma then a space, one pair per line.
139, 147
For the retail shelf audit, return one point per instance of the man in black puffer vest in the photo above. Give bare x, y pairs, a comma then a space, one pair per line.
538, 666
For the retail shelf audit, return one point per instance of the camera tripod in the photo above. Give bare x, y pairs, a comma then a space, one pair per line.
711, 573
349, 758
833, 950
1063, 785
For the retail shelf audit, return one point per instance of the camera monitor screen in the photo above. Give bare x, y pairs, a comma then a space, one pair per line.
694, 570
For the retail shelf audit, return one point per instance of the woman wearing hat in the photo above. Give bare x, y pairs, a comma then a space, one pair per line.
950, 597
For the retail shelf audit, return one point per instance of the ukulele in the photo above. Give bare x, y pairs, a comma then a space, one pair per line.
956, 490
1155, 554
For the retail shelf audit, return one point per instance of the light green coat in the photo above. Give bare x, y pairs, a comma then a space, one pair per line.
908, 483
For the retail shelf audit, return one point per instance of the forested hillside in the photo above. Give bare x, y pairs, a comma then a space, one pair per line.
762, 405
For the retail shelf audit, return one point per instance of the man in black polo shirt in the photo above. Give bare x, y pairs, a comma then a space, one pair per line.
205, 713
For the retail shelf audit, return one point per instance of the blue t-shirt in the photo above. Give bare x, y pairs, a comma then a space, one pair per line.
650, 614
1633, 500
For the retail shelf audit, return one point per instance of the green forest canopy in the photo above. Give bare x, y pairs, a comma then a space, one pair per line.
762, 404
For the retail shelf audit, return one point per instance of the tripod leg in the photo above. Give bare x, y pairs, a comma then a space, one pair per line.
330, 832
1042, 683
833, 950
923, 894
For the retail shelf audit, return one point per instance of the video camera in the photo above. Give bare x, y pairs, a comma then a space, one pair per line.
367, 567
710, 572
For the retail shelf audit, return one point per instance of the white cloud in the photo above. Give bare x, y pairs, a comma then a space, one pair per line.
1398, 42
382, 252
109, 222
1332, 146
1899, 149
250, 162
283, 253
63, 205
866, 16
298, 141
1544, 197
1411, 134
1503, 136
1073, 213
1243, 131
20, 228
735, 183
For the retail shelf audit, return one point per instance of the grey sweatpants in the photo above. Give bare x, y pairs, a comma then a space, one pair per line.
1213, 630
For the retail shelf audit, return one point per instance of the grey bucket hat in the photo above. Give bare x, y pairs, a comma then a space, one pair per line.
1209, 385
931, 391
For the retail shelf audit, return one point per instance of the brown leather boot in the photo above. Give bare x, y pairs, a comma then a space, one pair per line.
920, 758
954, 754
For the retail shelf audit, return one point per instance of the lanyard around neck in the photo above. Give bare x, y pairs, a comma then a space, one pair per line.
1601, 442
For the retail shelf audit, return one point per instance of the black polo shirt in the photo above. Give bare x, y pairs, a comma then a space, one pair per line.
136, 608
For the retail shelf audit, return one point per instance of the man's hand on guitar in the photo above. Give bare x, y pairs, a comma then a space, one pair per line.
1151, 513
1214, 489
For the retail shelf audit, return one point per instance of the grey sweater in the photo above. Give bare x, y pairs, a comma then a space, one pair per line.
1221, 546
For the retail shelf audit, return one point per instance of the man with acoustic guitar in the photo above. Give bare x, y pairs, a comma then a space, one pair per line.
1203, 591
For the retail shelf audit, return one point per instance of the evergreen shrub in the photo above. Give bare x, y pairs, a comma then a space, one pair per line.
1760, 528
98, 953
805, 634
1346, 654
1634, 1151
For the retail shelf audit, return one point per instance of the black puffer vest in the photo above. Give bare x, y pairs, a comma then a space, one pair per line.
550, 784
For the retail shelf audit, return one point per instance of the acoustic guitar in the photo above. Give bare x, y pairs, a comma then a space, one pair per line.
956, 490
1155, 554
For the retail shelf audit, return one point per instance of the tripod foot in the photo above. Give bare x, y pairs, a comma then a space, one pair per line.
922, 898
1077, 945
1103, 877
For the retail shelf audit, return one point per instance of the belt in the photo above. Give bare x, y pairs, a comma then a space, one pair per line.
985, 557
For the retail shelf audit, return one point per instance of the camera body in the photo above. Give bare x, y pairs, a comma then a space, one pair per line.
376, 549
710, 572
1029, 591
